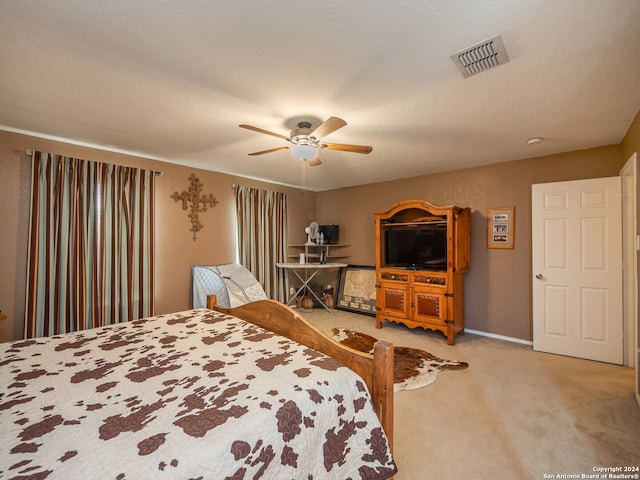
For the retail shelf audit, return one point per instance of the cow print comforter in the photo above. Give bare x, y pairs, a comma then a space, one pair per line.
190, 395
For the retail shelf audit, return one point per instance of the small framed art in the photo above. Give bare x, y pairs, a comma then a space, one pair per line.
501, 227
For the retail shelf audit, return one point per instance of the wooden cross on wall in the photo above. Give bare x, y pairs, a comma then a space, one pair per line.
193, 196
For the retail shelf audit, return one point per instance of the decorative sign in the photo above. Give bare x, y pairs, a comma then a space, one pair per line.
500, 227
193, 196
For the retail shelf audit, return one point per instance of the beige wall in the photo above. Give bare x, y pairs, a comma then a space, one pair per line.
631, 141
176, 252
498, 286
631, 145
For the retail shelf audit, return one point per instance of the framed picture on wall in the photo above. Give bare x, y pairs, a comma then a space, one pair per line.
357, 289
500, 227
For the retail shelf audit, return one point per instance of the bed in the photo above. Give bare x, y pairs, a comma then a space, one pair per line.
248, 392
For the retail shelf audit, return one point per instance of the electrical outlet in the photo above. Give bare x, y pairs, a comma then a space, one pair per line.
292, 291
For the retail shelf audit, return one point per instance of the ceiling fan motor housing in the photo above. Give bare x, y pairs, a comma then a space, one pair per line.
300, 135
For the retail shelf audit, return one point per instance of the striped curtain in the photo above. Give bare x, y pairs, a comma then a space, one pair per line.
90, 245
262, 237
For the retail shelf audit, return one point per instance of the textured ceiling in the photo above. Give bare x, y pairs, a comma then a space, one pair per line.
173, 80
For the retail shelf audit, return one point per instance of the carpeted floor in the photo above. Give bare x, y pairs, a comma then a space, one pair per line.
514, 414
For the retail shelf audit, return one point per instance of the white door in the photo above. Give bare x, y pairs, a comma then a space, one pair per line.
577, 268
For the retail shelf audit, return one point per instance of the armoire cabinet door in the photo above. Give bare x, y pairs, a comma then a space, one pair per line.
429, 305
394, 300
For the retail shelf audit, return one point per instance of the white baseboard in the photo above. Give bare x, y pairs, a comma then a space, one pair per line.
499, 337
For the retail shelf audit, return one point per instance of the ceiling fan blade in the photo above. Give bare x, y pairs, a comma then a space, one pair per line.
315, 162
330, 125
266, 132
348, 148
271, 150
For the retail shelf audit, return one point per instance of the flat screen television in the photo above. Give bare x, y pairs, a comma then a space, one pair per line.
419, 247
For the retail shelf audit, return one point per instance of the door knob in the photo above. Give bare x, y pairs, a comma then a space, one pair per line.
539, 276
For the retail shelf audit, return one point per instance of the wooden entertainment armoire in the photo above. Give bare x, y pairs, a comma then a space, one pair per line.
415, 295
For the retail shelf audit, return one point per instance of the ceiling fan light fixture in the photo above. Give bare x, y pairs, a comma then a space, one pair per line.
304, 152
305, 144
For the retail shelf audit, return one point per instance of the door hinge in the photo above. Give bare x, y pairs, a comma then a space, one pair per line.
448, 295
449, 322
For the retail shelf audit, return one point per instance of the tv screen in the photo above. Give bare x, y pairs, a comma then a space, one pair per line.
422, 247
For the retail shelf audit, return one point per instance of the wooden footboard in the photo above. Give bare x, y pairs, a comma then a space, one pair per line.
376, 370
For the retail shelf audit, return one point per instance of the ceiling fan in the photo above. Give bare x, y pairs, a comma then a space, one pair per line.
305, 140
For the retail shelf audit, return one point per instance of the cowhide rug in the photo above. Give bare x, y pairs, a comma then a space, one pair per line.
413, 368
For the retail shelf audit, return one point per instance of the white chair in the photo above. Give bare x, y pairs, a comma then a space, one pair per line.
232, 284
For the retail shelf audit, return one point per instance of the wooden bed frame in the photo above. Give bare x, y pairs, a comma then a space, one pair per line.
376, 370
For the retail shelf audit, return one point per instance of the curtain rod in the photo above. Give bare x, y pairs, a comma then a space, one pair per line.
29, 152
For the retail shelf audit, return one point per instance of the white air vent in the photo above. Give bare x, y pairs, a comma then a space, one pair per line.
481, 57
